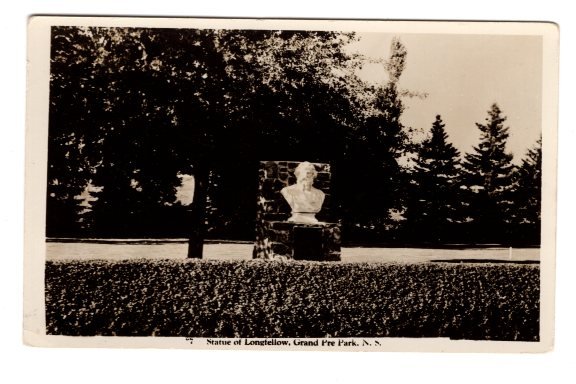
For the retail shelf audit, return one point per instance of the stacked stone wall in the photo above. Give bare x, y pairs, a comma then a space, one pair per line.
274, 235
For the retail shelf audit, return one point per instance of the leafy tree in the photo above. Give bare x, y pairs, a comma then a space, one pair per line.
70, 166
133, 108
487, 178
127, 104
135, 103
368, 177
293, 98
434, 205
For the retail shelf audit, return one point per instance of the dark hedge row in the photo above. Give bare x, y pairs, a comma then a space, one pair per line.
295, 299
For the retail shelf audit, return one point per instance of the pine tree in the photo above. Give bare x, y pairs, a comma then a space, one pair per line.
487, 177
528, 196
433, 202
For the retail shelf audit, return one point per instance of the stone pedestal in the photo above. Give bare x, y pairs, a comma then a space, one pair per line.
286, 240
276, 237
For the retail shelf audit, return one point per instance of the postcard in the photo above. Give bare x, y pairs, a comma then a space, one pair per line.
286, 184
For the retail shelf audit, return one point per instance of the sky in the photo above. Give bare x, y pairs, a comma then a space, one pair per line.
463, 75
359, 367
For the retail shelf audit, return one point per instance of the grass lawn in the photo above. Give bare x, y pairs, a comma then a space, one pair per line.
239, 251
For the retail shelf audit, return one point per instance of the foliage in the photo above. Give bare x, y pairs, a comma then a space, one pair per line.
295, 95
528, 196
434, 205
487, 177
133, 108
369, 179
295, 299
117, 111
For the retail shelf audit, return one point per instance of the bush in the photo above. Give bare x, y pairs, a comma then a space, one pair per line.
292, 299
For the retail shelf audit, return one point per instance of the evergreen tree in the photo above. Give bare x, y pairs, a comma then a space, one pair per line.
487, 178
433, 202
528, 197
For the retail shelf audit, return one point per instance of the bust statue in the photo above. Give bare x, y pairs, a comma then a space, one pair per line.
303, 198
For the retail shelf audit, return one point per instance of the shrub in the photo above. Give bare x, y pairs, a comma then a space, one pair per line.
292, 299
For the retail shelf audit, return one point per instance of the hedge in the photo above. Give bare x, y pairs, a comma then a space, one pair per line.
292, 299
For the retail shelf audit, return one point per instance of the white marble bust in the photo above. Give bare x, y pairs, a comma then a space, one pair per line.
303, 198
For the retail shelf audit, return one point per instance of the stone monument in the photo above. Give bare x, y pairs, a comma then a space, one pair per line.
293, 219
304, 200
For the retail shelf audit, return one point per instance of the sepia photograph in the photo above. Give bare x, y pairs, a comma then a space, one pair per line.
291, 184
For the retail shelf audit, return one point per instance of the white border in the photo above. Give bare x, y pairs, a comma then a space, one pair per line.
46, 365
37, 135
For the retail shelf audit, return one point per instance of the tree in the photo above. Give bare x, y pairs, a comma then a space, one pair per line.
293, 98
131, 108
433, 204
129, 104
368, 177
528, 197
487, 178
70, 166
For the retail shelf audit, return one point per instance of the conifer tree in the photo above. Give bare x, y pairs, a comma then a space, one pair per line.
487, 177
528, 196
433, 204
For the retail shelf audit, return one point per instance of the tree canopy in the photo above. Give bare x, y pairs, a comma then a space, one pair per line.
435, 203
134, 110
488, 173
